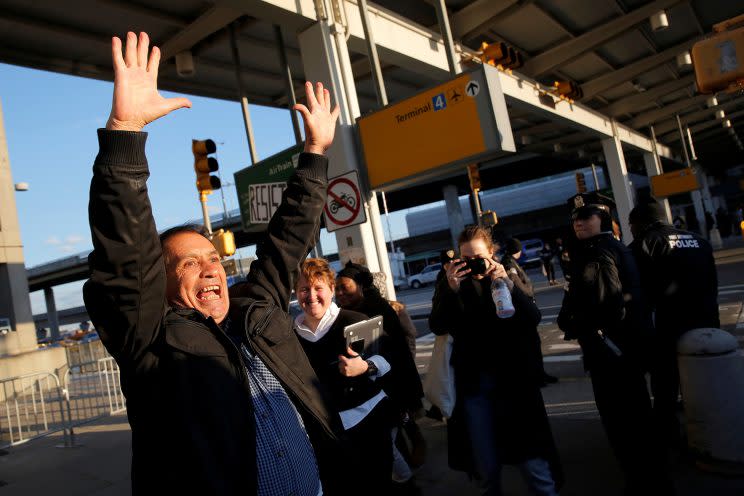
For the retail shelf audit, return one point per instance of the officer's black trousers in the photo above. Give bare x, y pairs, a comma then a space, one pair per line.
624, 405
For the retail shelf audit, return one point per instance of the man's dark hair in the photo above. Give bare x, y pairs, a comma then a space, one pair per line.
194, 228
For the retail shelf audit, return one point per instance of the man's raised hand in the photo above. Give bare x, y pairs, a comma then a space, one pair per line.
136, 99
319, 119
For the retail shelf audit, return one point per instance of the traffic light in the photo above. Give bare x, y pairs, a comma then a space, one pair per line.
567, 90
718, 59
224, 242
500, 54
580, 183
205, 165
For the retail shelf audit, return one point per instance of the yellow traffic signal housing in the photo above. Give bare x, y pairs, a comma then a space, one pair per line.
224, 242
719, 59
205, 165
580, 183
500, 54
568, 90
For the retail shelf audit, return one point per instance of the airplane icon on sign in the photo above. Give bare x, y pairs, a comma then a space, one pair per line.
454, 96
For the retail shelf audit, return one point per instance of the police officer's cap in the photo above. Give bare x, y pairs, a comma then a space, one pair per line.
584, 205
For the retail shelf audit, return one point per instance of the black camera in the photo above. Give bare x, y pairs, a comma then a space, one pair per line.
477, 266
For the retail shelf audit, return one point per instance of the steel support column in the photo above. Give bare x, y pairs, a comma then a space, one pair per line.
325, 57
621, 189
52, 316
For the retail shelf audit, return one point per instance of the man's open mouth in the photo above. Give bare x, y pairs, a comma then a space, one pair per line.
209, 293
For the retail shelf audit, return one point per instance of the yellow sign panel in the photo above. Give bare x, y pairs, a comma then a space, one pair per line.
672, 183
436, 127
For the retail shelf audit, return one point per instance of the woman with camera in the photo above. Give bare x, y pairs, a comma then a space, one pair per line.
354, 383
499, 416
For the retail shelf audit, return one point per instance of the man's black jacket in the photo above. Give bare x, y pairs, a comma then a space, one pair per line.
679, 277
188, 398
605, 295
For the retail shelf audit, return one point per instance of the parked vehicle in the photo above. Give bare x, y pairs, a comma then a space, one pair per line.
531, 252
426, 276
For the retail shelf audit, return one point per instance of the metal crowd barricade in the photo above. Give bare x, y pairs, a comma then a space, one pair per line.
32, 405
37, 404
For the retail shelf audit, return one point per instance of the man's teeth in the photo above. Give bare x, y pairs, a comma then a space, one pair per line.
202, 294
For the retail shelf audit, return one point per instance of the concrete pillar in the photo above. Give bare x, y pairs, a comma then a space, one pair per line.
52, 316
14, 301
325, 58
653, 168
454, 212
621, 189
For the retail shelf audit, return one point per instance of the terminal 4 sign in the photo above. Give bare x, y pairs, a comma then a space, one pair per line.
432, 133
261, 185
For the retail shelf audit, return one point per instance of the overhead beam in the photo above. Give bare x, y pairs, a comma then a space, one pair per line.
143, 11
691, 118
590, 40
213, 20
629, 104
646, 118
522, 92
474, 19
612, 79
400, 42
706, 125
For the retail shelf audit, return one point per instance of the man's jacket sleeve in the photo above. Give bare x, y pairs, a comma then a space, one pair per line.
125, 295
290, 235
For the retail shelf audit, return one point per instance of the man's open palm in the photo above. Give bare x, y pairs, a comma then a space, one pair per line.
136, 98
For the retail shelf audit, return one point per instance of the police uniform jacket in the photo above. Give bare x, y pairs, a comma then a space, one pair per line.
679, 278
604, 295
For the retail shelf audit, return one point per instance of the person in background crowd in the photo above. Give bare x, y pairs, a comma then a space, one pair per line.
723, 219
512, 253
564, 257
355, 290
679, 278
546, 258
739, 219
499, 416
679, 223
220, 395
354, 381
710, 223
603, 308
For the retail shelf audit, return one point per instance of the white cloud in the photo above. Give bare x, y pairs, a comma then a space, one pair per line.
73, 239
52, 240
67, 248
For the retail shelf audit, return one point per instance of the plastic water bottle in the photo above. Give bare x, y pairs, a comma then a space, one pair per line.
502, 299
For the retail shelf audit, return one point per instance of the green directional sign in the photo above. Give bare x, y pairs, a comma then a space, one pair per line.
261, 185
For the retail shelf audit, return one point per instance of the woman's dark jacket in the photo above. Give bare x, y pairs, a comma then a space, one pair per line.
345, 392
483, 343
188, 397
404, 385
605, 295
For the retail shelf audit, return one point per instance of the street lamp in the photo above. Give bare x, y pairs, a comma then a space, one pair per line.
21, 186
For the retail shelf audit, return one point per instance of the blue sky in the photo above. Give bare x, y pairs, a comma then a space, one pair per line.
50, 123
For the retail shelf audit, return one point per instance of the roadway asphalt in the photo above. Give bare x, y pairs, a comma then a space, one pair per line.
100, 466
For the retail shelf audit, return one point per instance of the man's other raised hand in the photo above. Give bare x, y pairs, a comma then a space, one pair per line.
136, 100
319, 119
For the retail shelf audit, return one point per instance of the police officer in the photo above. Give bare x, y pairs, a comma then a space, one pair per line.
603, 309
679, 279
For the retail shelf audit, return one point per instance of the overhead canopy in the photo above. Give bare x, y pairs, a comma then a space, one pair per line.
627, 71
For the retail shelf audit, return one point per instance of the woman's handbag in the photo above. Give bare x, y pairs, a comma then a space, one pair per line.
439, 385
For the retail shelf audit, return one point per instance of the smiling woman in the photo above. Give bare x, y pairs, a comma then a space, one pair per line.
355, 384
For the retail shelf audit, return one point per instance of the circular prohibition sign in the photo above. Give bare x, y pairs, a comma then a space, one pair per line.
341, 201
